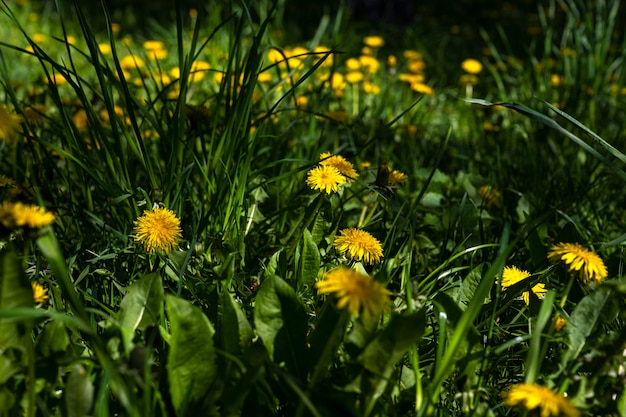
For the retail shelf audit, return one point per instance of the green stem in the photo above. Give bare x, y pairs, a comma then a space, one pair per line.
568, 288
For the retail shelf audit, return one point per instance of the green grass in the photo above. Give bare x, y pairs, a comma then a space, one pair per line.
222, 126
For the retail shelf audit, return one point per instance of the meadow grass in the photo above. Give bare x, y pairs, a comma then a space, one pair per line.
208, 219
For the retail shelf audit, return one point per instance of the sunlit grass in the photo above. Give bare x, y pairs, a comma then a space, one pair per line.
217, 218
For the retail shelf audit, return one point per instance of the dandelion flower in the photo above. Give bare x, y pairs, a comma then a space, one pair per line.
580, 261
344, 166
158, 229
40, 294
511, 275
472, 66
355, 291
535, 397
492, 197
559, 323
9, 125
360, 245
24, 215
422, 88
325, 178
396, 177
374, 41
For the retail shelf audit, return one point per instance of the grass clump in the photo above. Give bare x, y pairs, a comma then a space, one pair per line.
209, 220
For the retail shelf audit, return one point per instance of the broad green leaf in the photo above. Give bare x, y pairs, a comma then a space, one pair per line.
585, 318
15, 293
54, 339
234, 327
140, 307
191, 361
385, 350
281, 323
7, 398
327, 335
78, 392
309, 261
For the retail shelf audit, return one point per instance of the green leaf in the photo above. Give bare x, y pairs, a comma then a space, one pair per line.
140, 307
53, 340
78, 392
587, 315
235, 329
281, 323
191, 360
385, 350
15, 292
309, 261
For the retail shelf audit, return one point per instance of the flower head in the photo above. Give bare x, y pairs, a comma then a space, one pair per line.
40, 294
355, 291
587, 265
373, 41
158, 229
344, 166
9, 125
492, 197
396, 177
535, 397
325, 178
14, 215
360, 245
559, 323
471, 66
512, 275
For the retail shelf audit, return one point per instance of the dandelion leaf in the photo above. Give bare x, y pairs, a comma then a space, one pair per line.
281, 323
78, 392
385, 350
15, 292
140, 307
309, 261
235, 329
588, 314
191, 360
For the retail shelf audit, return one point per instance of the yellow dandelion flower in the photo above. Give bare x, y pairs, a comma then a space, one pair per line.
354, 77
14, 215
492, 197
325, 178
158, 229
392, 61
559, 323
9, 125
374, 41
356, 291
471, 66
35, 114
468, 79
40, 294
371, 88
152, 45
369, 63
131, 62
587, 265
411, 78
412, 55
360, 245
8, 187
511, 275
353, 64
198, 68
422, 88
396, 177
105, 48
344, 166
536, 397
